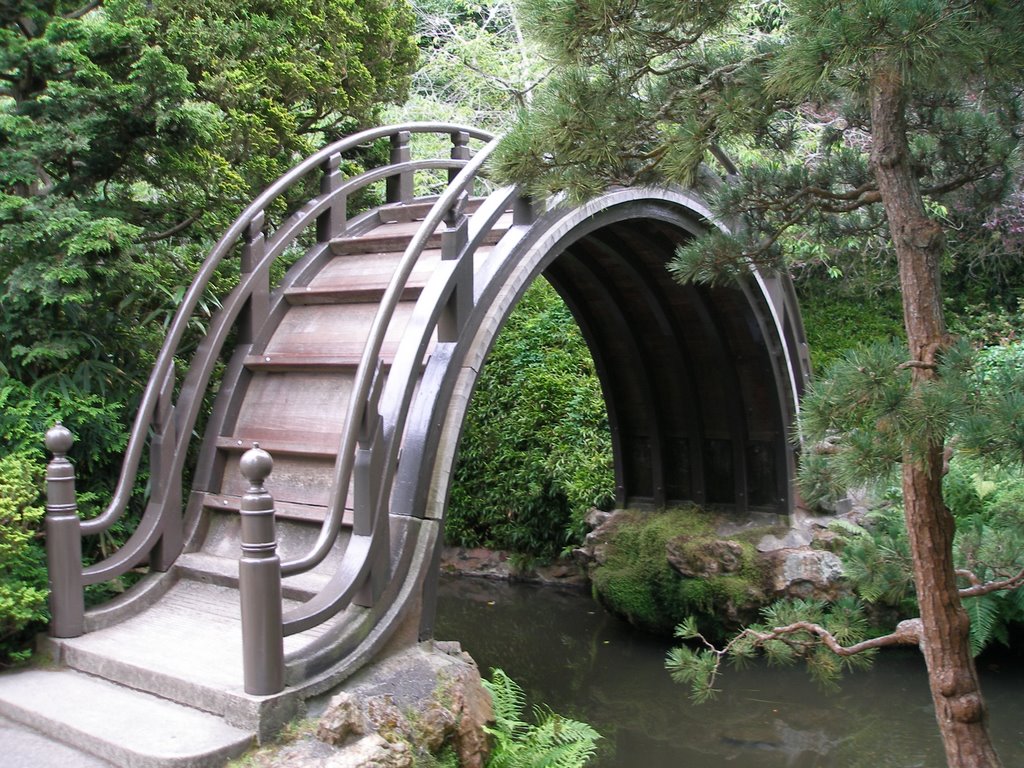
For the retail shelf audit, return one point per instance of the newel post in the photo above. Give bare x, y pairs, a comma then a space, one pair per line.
332, 222
399, 188
259, 581
63, 538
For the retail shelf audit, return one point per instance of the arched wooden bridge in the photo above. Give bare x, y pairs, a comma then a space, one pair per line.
348, 351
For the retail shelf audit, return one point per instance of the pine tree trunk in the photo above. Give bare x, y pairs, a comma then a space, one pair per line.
956, 694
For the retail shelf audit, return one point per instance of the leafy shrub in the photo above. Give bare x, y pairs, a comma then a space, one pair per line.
836, 323
552, 742
536, 451
863, 416
23, 588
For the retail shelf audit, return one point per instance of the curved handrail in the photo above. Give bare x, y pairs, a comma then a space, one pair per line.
368, 361
163, 367
355, 564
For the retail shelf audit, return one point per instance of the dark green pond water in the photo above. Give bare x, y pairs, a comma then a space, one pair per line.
570, 654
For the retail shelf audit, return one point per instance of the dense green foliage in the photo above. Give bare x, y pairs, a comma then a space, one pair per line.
552, 741
873, 126
476, 67
989, 544
536, 451
131, 134
636, 580
23, 588
836, 323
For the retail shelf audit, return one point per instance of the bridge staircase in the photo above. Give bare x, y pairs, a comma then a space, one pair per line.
311, 380
296, 467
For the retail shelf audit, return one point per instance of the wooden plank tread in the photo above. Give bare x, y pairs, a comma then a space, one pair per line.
320, 444
396, 212
283, 509
377, 241
350, 291
283, 361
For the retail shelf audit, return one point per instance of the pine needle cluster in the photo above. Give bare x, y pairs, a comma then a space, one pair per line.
790, 631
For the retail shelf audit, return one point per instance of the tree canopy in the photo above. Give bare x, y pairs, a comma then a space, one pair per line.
863, 124
131, 133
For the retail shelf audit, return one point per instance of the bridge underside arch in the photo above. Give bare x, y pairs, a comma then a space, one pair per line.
687, 372
701, 383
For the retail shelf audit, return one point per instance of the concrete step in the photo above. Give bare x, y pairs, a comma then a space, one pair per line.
186, 648
118, 725
212, 569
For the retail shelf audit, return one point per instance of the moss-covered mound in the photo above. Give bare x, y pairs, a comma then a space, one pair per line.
640, 574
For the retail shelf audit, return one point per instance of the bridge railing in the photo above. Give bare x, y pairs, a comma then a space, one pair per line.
370, 441
169, 409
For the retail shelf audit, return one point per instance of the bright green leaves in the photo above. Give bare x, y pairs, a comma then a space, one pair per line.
23, 589
986, 503
536, 452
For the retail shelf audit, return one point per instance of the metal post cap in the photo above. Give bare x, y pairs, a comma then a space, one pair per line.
256, 464
59, 439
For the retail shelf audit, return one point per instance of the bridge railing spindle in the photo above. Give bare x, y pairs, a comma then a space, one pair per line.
253, 249
453, 244
166, 491
366, 485
460, 151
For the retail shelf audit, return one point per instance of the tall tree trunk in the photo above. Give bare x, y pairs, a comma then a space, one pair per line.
956, 694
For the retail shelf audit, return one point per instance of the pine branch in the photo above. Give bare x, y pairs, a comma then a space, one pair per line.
701, 669
180, 226
978, 588
80, 12
908, 632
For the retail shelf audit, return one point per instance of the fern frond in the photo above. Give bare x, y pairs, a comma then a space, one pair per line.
509, 701
843, 526
554, 742
985, 615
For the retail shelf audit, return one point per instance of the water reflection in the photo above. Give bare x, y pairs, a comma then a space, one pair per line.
570, 654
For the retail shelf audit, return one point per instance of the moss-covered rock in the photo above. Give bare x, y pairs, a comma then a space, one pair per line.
657, 568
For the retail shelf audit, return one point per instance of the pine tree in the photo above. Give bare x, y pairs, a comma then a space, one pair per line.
852, 118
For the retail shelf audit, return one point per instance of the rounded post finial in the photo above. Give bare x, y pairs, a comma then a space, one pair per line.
59, 439
255, 465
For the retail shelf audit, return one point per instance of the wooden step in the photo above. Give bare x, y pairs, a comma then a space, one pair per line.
293, 405
305, 513
388, 237
295, 480
281, 443
363, 278
393, 212
333, 329
351, 292
397, 236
